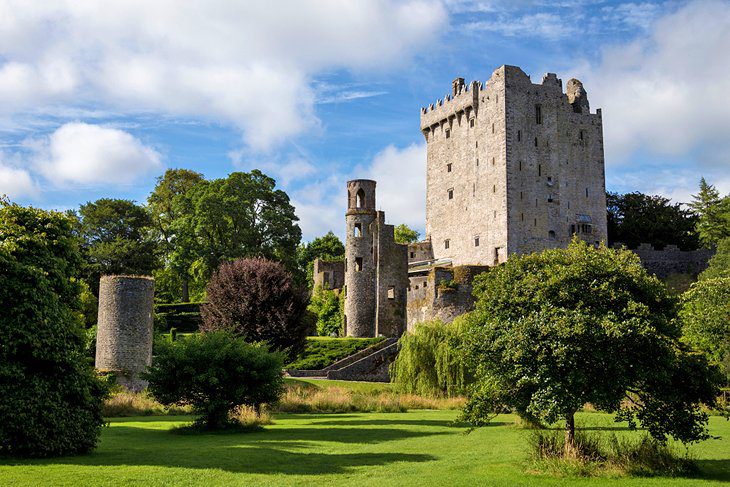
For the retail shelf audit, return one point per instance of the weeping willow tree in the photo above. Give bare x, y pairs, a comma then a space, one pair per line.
430, 360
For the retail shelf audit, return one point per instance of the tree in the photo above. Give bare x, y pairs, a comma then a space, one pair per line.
713, 214
405, 235
327, 247
117, 239
50, 398
242, 215
555, 330
325, 305
257, 299
636, 218
167, 209
705, 317
215, 373
719, 265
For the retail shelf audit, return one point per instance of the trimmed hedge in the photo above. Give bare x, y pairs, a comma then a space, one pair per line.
184, 317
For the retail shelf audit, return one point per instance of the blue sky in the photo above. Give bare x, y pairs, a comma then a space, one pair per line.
97, 99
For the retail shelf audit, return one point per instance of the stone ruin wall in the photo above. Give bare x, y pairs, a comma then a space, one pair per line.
125, 328
392, 280
671, 260
329, 274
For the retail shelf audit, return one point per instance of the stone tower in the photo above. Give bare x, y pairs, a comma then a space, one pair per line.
124, 333
359, 260
512, 167
376, 268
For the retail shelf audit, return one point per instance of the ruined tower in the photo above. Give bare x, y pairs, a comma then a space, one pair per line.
512, 167
376, 268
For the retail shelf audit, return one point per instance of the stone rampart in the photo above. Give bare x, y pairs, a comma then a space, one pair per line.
671, 260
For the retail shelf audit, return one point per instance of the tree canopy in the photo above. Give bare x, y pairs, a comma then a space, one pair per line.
636, 218
405, 234
713, 213
555, 330
327, 247
719, 265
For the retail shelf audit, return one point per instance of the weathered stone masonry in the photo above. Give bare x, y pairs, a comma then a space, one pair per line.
124, 334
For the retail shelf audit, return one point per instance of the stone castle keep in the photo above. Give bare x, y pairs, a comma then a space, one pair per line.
512, 167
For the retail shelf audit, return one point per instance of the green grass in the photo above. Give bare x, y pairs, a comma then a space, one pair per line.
367, 387
320, 352
375, 449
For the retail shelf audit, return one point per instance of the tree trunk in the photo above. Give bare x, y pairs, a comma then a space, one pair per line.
185, 291
570, 450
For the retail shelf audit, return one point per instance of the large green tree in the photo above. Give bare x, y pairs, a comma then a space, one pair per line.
50, 398
713, 213
169, 209
635, 218
556, 330
117, 239
405, 234
719, 265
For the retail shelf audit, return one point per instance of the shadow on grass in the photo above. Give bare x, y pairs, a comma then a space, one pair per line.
714, 469
411, 422
289, 451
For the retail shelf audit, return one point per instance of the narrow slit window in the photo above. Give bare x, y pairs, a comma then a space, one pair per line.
581, 135
476, 241
413, 255
448, 133
446, 243
519, 136
539, 169
448, 167
471, 122
494, 188
358, 229
492, 127
586, 192
520, 165
493, 161
451, 193
535, 221
477, 161
535, 141
358, 264
538, 114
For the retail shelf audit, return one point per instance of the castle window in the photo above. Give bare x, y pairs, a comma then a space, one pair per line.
471, 122
358, 264
360, 198
568, 204
476, 241
495, 214
538, 114
586, 192
550, 179
492, 161
448, 167
519, 135
451, 194
551, 235
539, 169
522, 217
326, 277
413, 255
520, 194
345, 265
494, 188
520, 165
492, 127
473, 189
581, 135
572, 229
391, 292
476, 144
535, 141
550, 198
425, 284
535, 221
358, 229
477, 161
344, 290
448, 133
446, 243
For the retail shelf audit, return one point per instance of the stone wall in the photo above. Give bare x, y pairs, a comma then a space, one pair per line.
420, 251
392, 280
329, 274
671, 260
124, 334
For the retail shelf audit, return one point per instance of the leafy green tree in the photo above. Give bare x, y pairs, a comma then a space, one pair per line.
636, 218
117, 239
325, 304
327, 247
719, 265
713, 214
50, 398
214, 373
705, 317
405, 234
556, 330
168, 207
242, 215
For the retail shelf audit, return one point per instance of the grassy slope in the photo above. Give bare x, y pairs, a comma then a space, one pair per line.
320, 352
417, 448
357, 386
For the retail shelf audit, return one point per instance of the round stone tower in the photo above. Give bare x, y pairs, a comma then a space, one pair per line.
124, 330
360, 285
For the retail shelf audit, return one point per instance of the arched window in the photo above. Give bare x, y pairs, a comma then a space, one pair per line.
360, 198
551, 234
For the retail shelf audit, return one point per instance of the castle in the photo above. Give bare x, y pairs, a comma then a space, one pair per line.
512, 167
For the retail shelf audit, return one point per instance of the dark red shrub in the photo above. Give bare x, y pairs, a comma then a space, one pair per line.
257, 299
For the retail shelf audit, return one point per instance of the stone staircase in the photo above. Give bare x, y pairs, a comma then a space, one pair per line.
370, 364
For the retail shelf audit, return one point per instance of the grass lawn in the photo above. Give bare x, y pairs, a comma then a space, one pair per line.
414, 448
357, 386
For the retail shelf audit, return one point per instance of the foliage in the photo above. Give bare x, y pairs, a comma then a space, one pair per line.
321, 352
636, 218
405, 234
713, 212
214, 373
168, 208
124, 403
555, 330
705, 317
326, 247
257, 299
430, 360
184, 317
719, 265
325, 304
50, 399
117, 239
89, 305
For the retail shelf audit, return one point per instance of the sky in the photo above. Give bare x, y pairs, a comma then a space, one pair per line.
98, 98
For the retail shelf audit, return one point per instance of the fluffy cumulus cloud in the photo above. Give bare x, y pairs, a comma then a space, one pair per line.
240, 63
15, 182
79, 153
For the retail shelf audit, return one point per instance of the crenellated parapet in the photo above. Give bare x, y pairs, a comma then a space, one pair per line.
463, 100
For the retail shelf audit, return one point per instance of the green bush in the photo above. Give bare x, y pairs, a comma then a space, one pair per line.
50, 398
214, 372
321, 352
430, 362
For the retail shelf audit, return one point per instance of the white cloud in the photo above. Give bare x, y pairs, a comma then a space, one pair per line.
543, 25
249, 64
15, 182
90, 154
667, 93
